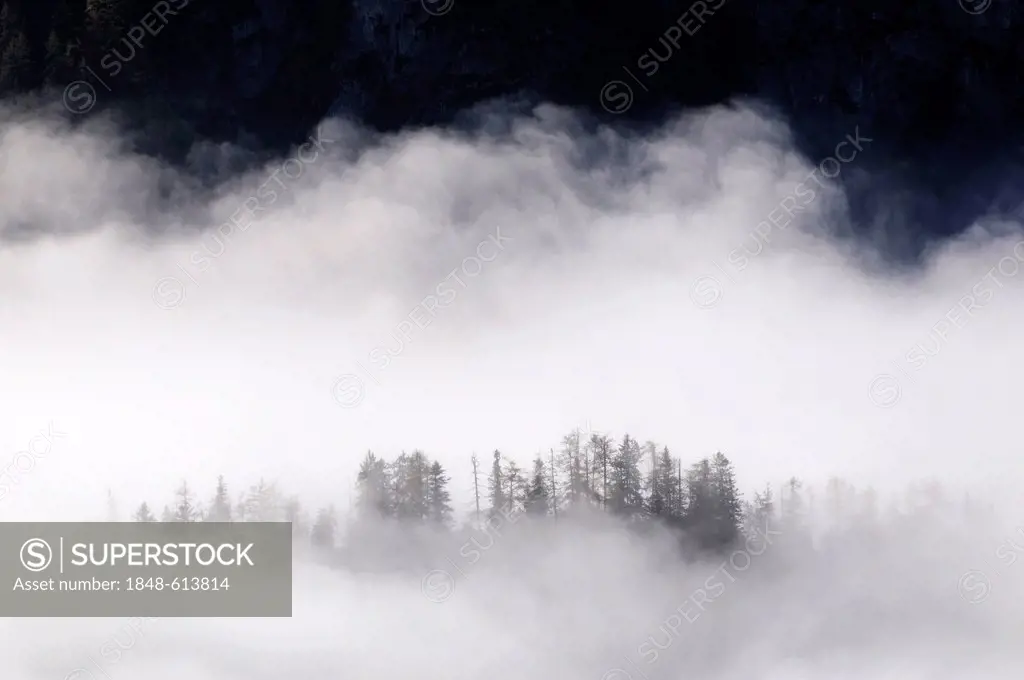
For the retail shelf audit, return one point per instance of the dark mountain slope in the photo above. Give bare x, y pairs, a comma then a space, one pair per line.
938, 85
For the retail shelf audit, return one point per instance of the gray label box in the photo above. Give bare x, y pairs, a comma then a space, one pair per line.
155, 569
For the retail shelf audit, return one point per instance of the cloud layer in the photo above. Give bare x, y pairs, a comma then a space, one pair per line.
460, 293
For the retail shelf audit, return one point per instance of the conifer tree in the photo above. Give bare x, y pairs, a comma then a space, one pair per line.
601, 454
263, 503
569, 461
556, 494
794, 519
185, 509
626, 490
397, 475
322, 533
574, 461
759, 513
699, 516
728, 508
496, 487
793, 505
515, 487
143, 514
654, 502
438, 498
537, 501
220, 506
581, 472
416, 487
373, 488
666, 502
408, 483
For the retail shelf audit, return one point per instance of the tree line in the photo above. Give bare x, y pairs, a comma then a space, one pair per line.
639, 484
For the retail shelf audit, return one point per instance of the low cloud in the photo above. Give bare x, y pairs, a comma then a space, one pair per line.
595, 309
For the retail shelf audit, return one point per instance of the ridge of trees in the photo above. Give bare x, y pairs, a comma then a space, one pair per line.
638, 484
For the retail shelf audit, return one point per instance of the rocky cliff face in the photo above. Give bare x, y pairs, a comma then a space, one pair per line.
937, 83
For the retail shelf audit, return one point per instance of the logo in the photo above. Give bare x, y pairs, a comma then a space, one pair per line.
616, 97
884, 391
438, 585
348, 390
974, 586
437, 8
79, 97
975, 6
706, 292
36, 554
169, 292
80, 674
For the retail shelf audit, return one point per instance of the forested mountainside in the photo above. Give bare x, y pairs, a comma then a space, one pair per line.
938, 85
917, 70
